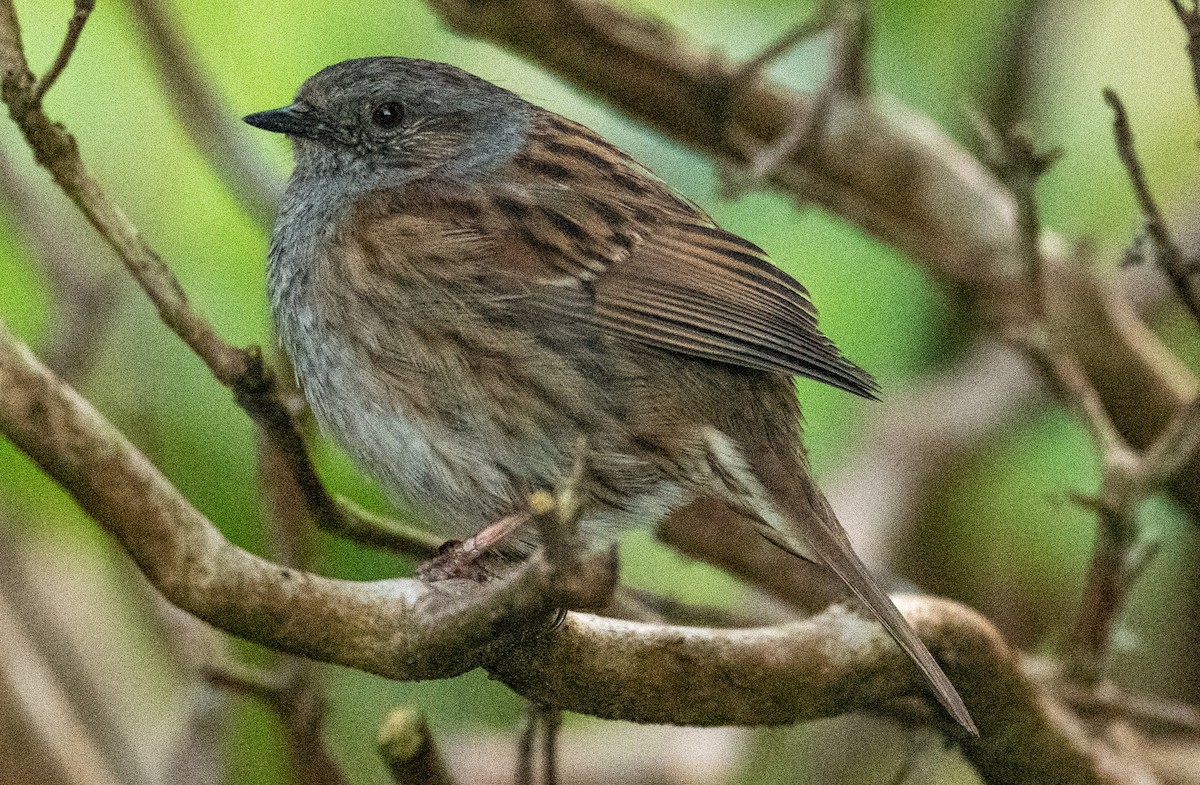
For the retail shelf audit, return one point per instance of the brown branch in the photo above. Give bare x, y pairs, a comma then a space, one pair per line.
83, 10
199, 757
1128, 477
206, 119
1110, 702
1180, 271
850, 26
402, 629
293, 692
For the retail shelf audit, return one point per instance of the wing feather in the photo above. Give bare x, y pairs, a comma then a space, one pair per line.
608, 242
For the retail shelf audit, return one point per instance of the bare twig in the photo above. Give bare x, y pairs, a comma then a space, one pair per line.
83, 10
850, 23
544, 722
407, 747
292, 692
1110, 702
1013, 157
1005, 95
1180, 271
209, 123
551, 729
526, 742
1190, 19
199, 758
1127, 477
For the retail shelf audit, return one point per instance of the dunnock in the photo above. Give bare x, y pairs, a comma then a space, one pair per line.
468, 284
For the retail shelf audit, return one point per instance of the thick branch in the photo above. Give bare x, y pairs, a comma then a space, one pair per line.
400, 628
403, 629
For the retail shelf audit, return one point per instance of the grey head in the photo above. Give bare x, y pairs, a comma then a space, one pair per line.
383, 121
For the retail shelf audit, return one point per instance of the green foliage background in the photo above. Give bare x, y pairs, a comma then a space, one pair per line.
1004, 513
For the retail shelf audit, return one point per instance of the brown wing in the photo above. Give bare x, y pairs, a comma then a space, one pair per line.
699, 290
661, 271
603, 240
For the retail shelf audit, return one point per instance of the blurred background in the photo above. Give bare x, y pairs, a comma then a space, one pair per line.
995, 527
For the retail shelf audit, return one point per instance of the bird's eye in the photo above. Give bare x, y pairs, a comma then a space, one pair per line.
388, 115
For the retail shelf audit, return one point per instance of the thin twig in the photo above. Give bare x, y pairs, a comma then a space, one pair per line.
551, 730
83, 10
847, 76
1118, 556
526, 765
1111, 702
1190, 18
1011, 154
1181, 271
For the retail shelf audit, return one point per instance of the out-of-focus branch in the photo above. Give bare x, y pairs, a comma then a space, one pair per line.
407, 747
85, 291
1183, 273
878, 165
209, 123
292, 690
1129, 476
849, 24
58, 703
1190, 19
403, 629
44, 739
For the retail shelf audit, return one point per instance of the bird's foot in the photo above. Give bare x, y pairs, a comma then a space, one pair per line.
470, 559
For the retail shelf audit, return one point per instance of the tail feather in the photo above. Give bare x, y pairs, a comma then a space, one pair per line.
825, 538
791, 511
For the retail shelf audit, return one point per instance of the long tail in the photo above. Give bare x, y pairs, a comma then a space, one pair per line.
817, 528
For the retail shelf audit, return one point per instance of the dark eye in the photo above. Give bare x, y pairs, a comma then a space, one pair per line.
388, 115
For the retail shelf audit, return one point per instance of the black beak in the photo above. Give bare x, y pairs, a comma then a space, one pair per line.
291, 120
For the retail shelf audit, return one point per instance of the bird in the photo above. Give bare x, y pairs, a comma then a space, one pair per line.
469, 286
